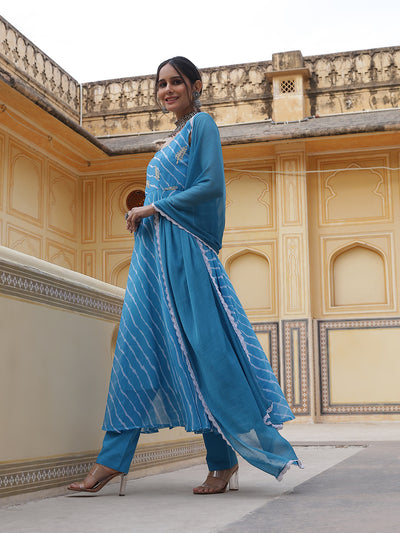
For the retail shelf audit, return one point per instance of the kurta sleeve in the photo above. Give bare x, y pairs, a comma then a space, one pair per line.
200, 207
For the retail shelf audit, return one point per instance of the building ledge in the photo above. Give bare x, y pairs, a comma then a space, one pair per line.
267, 131
37, 281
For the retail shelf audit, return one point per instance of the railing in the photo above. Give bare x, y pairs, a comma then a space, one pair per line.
347, 69
232, 84
372, 75
20, 57
239, 83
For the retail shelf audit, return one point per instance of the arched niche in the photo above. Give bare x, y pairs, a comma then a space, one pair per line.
119, 274
358, 274
247, 201
250, 274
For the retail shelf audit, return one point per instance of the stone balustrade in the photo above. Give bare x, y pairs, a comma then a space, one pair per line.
220, 85
24, 60
341, 82
354, 81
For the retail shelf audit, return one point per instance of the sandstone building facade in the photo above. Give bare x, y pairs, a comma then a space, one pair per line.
312, 241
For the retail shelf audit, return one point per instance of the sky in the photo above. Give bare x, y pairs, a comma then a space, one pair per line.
104, 40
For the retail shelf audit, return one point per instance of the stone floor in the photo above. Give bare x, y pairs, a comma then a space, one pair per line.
350, 483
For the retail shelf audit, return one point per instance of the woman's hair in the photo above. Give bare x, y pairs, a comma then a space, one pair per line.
184, 67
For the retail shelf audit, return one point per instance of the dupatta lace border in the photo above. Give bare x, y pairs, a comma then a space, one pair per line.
179, 335
201, 243
266, 418
287, 467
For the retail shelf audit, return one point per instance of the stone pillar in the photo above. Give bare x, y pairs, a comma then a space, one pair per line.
288, 78
294, 282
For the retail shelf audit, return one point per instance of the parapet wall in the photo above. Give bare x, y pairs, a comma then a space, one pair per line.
239, 93
338, 83
354, 81
24, 61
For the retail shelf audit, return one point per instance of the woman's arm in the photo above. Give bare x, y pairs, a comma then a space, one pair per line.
200, 208
136, 215
205, 172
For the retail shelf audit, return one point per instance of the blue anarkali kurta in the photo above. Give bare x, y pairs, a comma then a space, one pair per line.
186, 353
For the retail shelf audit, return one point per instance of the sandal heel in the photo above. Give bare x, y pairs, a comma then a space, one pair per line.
122, 486
234, 481
219, 481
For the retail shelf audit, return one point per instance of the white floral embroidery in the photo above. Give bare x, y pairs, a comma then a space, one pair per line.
179, 155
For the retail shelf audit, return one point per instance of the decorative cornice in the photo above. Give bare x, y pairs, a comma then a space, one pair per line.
41, 287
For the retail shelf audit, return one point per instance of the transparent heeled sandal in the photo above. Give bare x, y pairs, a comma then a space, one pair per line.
98, 485
122, 486
219, 481
233, 483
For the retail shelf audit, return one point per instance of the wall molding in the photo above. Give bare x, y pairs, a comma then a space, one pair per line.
327, 408
22, 477
272, 328
296, 368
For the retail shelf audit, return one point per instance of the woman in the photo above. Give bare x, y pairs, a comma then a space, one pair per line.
186, 353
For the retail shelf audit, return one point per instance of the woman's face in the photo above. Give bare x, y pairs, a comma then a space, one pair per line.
175, 91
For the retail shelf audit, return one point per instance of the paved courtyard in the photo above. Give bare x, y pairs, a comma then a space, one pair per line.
351, 483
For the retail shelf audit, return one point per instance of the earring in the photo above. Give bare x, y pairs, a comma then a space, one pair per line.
196, 99
164, 110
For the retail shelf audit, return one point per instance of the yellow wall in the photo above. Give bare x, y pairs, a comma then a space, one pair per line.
309, 224
61, 199
354, 221
40, 204
52, 377
106, 244
364, 366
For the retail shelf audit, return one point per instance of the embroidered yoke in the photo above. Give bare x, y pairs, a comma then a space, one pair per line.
186, 353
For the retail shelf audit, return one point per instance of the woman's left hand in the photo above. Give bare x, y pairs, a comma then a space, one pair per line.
136, 215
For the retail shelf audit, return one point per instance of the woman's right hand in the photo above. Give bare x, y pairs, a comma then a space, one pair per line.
136, 215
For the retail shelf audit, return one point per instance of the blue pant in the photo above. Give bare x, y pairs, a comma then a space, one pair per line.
118, 450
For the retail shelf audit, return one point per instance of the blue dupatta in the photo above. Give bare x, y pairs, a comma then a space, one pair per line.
198, 362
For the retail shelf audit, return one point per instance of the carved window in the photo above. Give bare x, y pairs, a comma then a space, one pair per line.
135, 199
287, 86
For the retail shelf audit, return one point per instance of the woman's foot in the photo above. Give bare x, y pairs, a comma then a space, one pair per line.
98, 476
218, 480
